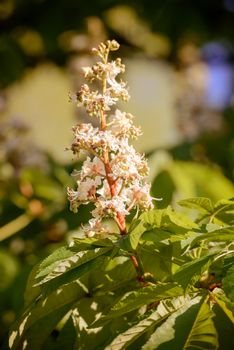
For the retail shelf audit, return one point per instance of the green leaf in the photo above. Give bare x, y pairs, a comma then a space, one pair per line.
146, 221
67, 336
53, 260
135, 299
181, 220
167, 237
83, 314
65, 295
224, 211
224, 205
153, 218
191, 270
191, 327
91, 242
225, 304
70, 263
119, 274
228, 283
72, 275
164, 310
163, 219
125, 244
35, 336
31, 292
135, 235
220, 235
224, 327
200, 203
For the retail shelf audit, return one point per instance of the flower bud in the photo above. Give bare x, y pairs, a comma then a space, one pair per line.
95, 51
113, 45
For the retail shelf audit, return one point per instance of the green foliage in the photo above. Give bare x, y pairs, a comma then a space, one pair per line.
91, 291
228, 283
190, 327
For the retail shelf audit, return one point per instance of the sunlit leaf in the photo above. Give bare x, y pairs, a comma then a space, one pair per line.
72, 275
220, 235
191, 327
53, 260
200, 203
223, 324
135, 299
225, 304
191, 270
72, 262
163, 219
65, 295
92, 241
164, 310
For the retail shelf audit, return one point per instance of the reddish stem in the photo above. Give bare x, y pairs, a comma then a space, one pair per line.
120, 218
140, 276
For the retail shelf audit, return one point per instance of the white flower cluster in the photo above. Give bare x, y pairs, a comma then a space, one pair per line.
114, 177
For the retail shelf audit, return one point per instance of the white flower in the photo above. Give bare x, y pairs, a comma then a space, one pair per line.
95, 226
109, 207
122, 125
73, 199
92, 168
104, 191
87, 189
141, 196
114, 177
90, 138
109, 101
88, 72
114, 68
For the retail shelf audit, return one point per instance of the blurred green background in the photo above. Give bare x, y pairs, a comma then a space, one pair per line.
179, 67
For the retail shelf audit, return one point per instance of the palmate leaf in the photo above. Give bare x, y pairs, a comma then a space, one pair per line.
44, 307
60, 254
189, 328
67, 336
228, 283
90, 242
164, 310
224, 205
34, 337
70, 263
135, 299
119, 275
224, 320
167, 237
163, 219
146, 221
200, 203
191, 270
225, 304
83, 314
224, 211
221, 212
219, 235
179, 219
72, 275
31, 292
49, 263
